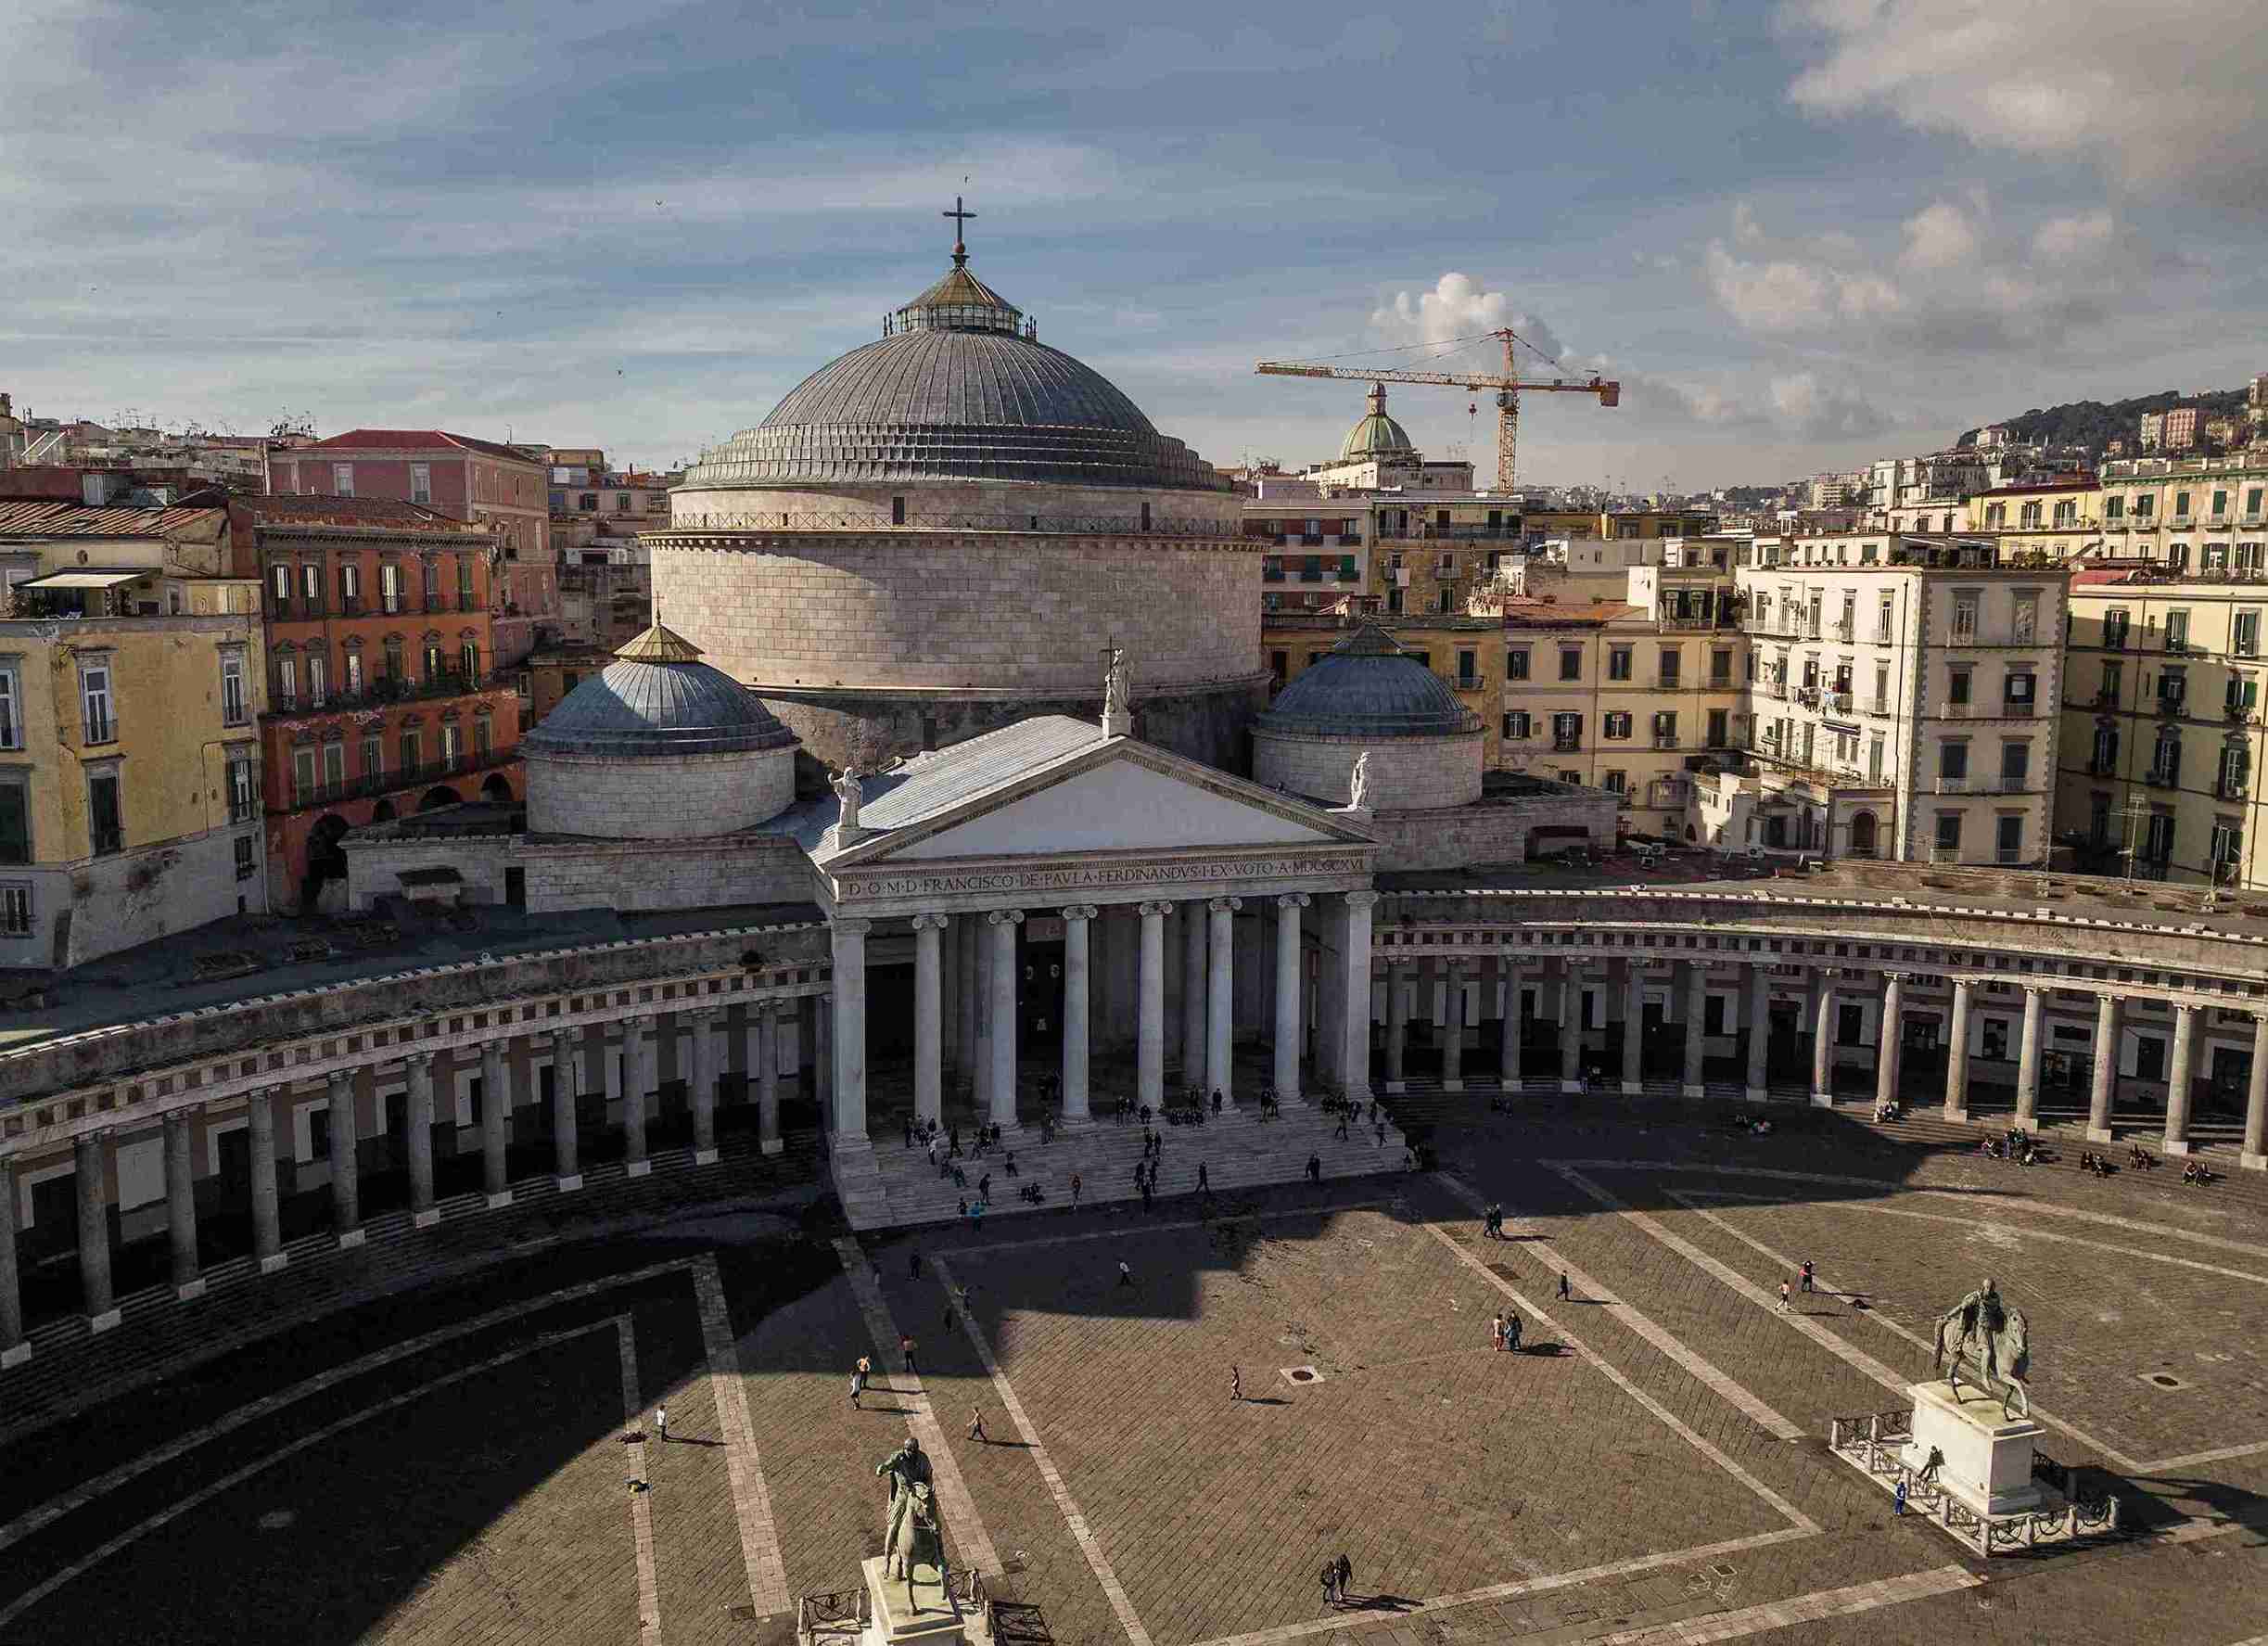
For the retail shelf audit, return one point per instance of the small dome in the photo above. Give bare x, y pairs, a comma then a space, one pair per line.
1377, 435
1368, 686
657, 698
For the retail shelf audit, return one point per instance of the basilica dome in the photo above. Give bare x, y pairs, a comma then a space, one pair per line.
1369, 696
1377, 435
958, 387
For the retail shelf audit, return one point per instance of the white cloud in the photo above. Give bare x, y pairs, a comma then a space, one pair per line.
2166, 94
1813, 412
1456, 307
1784, 296
1939, 236
2084, 236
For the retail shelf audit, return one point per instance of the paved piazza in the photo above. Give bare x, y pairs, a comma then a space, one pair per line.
480, 1464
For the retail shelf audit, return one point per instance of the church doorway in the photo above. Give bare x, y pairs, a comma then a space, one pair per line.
1039, 985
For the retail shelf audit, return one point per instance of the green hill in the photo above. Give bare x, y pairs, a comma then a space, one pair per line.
2093, 424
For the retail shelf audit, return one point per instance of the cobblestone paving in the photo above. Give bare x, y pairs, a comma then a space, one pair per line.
477, 1488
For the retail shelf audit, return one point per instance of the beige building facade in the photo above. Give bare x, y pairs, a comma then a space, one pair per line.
2188, 514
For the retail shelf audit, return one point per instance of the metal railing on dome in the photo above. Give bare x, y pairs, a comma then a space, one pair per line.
1109, 524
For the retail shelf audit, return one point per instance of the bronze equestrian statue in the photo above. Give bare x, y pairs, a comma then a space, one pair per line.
1985, 1337
913, 1531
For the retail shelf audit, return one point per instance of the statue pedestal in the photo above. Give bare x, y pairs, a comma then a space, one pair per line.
1988, 1457
932, 1618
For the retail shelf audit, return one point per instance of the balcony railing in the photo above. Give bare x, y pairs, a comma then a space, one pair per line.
1566, 746
382, 691
382, 783
2233, 788
2158, 777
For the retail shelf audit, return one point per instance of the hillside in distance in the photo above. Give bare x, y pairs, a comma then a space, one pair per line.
2093, 424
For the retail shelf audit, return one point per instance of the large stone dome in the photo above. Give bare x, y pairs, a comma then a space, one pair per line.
658, 746
958, 388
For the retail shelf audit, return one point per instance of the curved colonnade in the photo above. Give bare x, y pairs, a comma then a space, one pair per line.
578, 1039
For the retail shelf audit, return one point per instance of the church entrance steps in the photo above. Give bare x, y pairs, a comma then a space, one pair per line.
1238, 1151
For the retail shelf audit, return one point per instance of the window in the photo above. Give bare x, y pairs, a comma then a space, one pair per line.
2166, 761
2236, 770
342, 479
1468, 670
2146, 506
2157, 837
1965, 606
621, 503
1720, 668
105, 824
2245, 634
2252, 503
1953, 760
334, 766
11, 712
2243, 697
2015, 767
2177, 631
1671, 657
1615, 725
97, 722
1618, 663
1957, 690
432, 661
2173, 686
421, 482
350, 588
245, 866
484, 735
318, 685
15, 910
1616, 782
2221, 504
1949, 831
1566, 731
432, 584
2114, 508
411, 751
2026, 620
464, 583
243, 792
2181, 506
453, 742
1570, 663
279, 588
1665, 729
354, 672
1720, 732
310, 586
373, 757
587, 502
2016, 692
390, 586
2114, 628
14, 820
1516, 724
2106, 751
2008, 848
1516, 663
287, 684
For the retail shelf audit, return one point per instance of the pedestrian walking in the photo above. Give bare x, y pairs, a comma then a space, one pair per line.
949, 1315
1783, 1297
1807, 1274
1314, 1169
1125, 1275
1331, 1582
976, 1426
1204, 1184
661, 1422
913, 1263
1897, 1501
1236, 1383
1074, 1191
1566, 1291
905, 1347
1496, 1332
859, 1376
1346, 1575
1512, 1334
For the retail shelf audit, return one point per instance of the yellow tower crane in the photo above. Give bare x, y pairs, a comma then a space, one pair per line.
1507, 386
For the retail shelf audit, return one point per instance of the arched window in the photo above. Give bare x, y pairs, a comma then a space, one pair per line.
1862, 834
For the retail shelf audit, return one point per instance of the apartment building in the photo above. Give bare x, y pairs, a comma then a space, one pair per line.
1632, 696
384, 695
131, 686
2053, 519
2187, 514
498, 486
2162, 725
1902, 702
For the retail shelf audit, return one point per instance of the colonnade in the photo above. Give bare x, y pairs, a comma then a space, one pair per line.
630, 1081
982, 947
1827, 991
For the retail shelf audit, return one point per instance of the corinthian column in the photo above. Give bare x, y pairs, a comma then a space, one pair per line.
1356, 979
1220, 1003
1286, 1072
928, 1016
1003, 923
1078, 928
1149, 1025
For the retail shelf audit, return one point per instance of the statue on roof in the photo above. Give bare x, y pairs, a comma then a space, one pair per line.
1115, 683
1359, 784
847, 792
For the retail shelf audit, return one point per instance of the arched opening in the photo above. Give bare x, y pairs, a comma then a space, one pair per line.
438, 796
324, 860
1862, 834
496, 786
382, 812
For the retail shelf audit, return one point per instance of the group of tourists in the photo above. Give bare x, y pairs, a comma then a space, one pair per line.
1504, 1333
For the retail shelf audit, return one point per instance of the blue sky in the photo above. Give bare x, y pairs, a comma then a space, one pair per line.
1802, 234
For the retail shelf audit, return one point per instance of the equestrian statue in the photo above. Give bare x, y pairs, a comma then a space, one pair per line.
913, 1531
1983, 1336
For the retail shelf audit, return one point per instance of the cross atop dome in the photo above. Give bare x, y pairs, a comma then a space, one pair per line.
960, 219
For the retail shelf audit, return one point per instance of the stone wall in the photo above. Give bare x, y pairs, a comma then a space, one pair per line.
663, 798
1406, 773
1019, 612
694, 874
109, 903
1207, 724
1490, 831
1003, 504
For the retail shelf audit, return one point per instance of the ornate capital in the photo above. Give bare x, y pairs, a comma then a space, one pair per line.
850, 928
1225, 905
697, 1015
1361, 900
1005, 917
1081, 912
1292, 899
419, 1062
931, 923
1154, 911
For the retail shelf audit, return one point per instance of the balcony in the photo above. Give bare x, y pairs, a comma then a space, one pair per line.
1566, 746
1952, 786
1350, 539
1346, 575
382, 783
1837, 702
1880, 709
2102, 768
380, 692
1271, 575
2170, 705
1665, 740
1844, 630
350, 605
2158, 777
2233, 788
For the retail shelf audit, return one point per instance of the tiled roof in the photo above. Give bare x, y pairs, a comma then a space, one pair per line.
932, 783
412, 440
59, 518
307, 508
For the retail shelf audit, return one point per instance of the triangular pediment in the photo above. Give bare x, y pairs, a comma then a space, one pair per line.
1113, 795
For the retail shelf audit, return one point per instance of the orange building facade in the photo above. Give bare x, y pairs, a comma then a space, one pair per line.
383, 692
